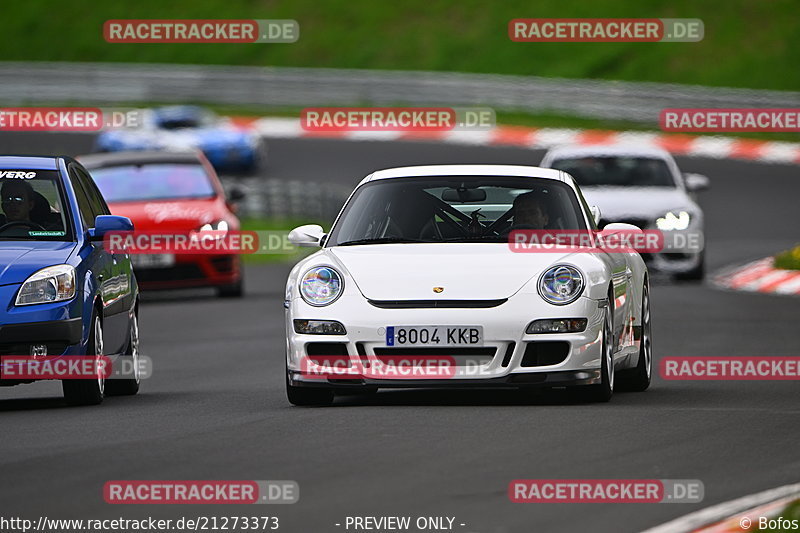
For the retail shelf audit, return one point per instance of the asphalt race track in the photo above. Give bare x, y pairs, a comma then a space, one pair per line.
215, 407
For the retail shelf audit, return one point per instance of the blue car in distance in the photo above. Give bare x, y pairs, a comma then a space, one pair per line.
229, 148
61, 292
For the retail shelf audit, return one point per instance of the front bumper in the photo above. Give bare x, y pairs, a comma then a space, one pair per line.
509, 357
192, 271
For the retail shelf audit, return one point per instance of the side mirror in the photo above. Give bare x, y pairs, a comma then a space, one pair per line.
236, 194
595, 213
696, 182
621, 226
308, 235
107, 224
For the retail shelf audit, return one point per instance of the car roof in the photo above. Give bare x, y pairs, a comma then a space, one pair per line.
144, 157
635, 150
467, 170
29, 162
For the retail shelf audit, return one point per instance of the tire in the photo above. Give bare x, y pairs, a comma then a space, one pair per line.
128, 386
311, 396
602, 392
87, 391
695, 274
638, 379
234, 290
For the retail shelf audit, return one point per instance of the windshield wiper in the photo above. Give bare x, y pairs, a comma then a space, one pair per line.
381, 240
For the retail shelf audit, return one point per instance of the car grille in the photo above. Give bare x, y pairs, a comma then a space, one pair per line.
439, 304
175, 273
545, 353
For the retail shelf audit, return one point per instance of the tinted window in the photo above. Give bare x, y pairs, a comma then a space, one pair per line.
619, 171
162, 181
84, 205
32, 206
96, 201
455, 209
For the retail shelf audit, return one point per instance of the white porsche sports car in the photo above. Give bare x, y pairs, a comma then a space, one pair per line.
417, 286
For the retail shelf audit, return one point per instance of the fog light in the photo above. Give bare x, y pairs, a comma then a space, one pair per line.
557, 325
319, 327
38, 350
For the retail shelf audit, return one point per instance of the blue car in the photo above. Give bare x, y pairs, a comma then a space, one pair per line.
61, 292
229, 148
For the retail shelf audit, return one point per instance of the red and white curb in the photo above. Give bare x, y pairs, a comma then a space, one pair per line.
759, 276
525, 137
740, 515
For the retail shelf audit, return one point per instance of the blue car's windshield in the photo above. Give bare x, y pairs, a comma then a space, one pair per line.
32, 206
162, 181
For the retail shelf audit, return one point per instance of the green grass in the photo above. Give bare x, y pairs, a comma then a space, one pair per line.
276, 225
747, 43
791, 512
788, 260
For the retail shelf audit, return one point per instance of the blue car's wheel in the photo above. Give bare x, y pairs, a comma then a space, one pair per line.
129, 363
88, 391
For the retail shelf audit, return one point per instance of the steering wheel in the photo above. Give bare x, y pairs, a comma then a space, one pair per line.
27, 223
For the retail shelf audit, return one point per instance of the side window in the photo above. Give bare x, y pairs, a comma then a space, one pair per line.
99, 206
85, 207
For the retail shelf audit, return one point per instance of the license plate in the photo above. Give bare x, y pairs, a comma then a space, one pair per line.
152, 260
434, 336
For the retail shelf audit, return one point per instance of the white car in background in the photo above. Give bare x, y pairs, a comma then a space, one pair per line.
412, 268
642, 186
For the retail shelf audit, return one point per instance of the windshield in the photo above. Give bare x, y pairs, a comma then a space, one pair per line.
454, 209
617, 170
162, 181
32, 206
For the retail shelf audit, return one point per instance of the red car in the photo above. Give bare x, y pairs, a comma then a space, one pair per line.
171, 192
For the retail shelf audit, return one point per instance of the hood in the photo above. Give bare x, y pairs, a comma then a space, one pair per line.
621, 203
183, 215
18, 260
468, 271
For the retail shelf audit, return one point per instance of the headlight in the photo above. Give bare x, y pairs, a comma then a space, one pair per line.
321, 286
561, 284
51, 284
674, 221
219, 225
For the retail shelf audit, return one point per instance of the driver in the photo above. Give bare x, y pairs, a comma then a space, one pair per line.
17, 200
530, 211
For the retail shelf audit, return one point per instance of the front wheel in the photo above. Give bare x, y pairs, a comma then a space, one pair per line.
603, 391
88, 391
638, 379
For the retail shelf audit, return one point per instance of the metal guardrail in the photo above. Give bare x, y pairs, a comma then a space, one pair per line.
289, 199
121, 83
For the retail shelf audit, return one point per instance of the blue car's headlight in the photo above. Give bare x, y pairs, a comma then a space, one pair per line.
561, 284
321, 286
51, 284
